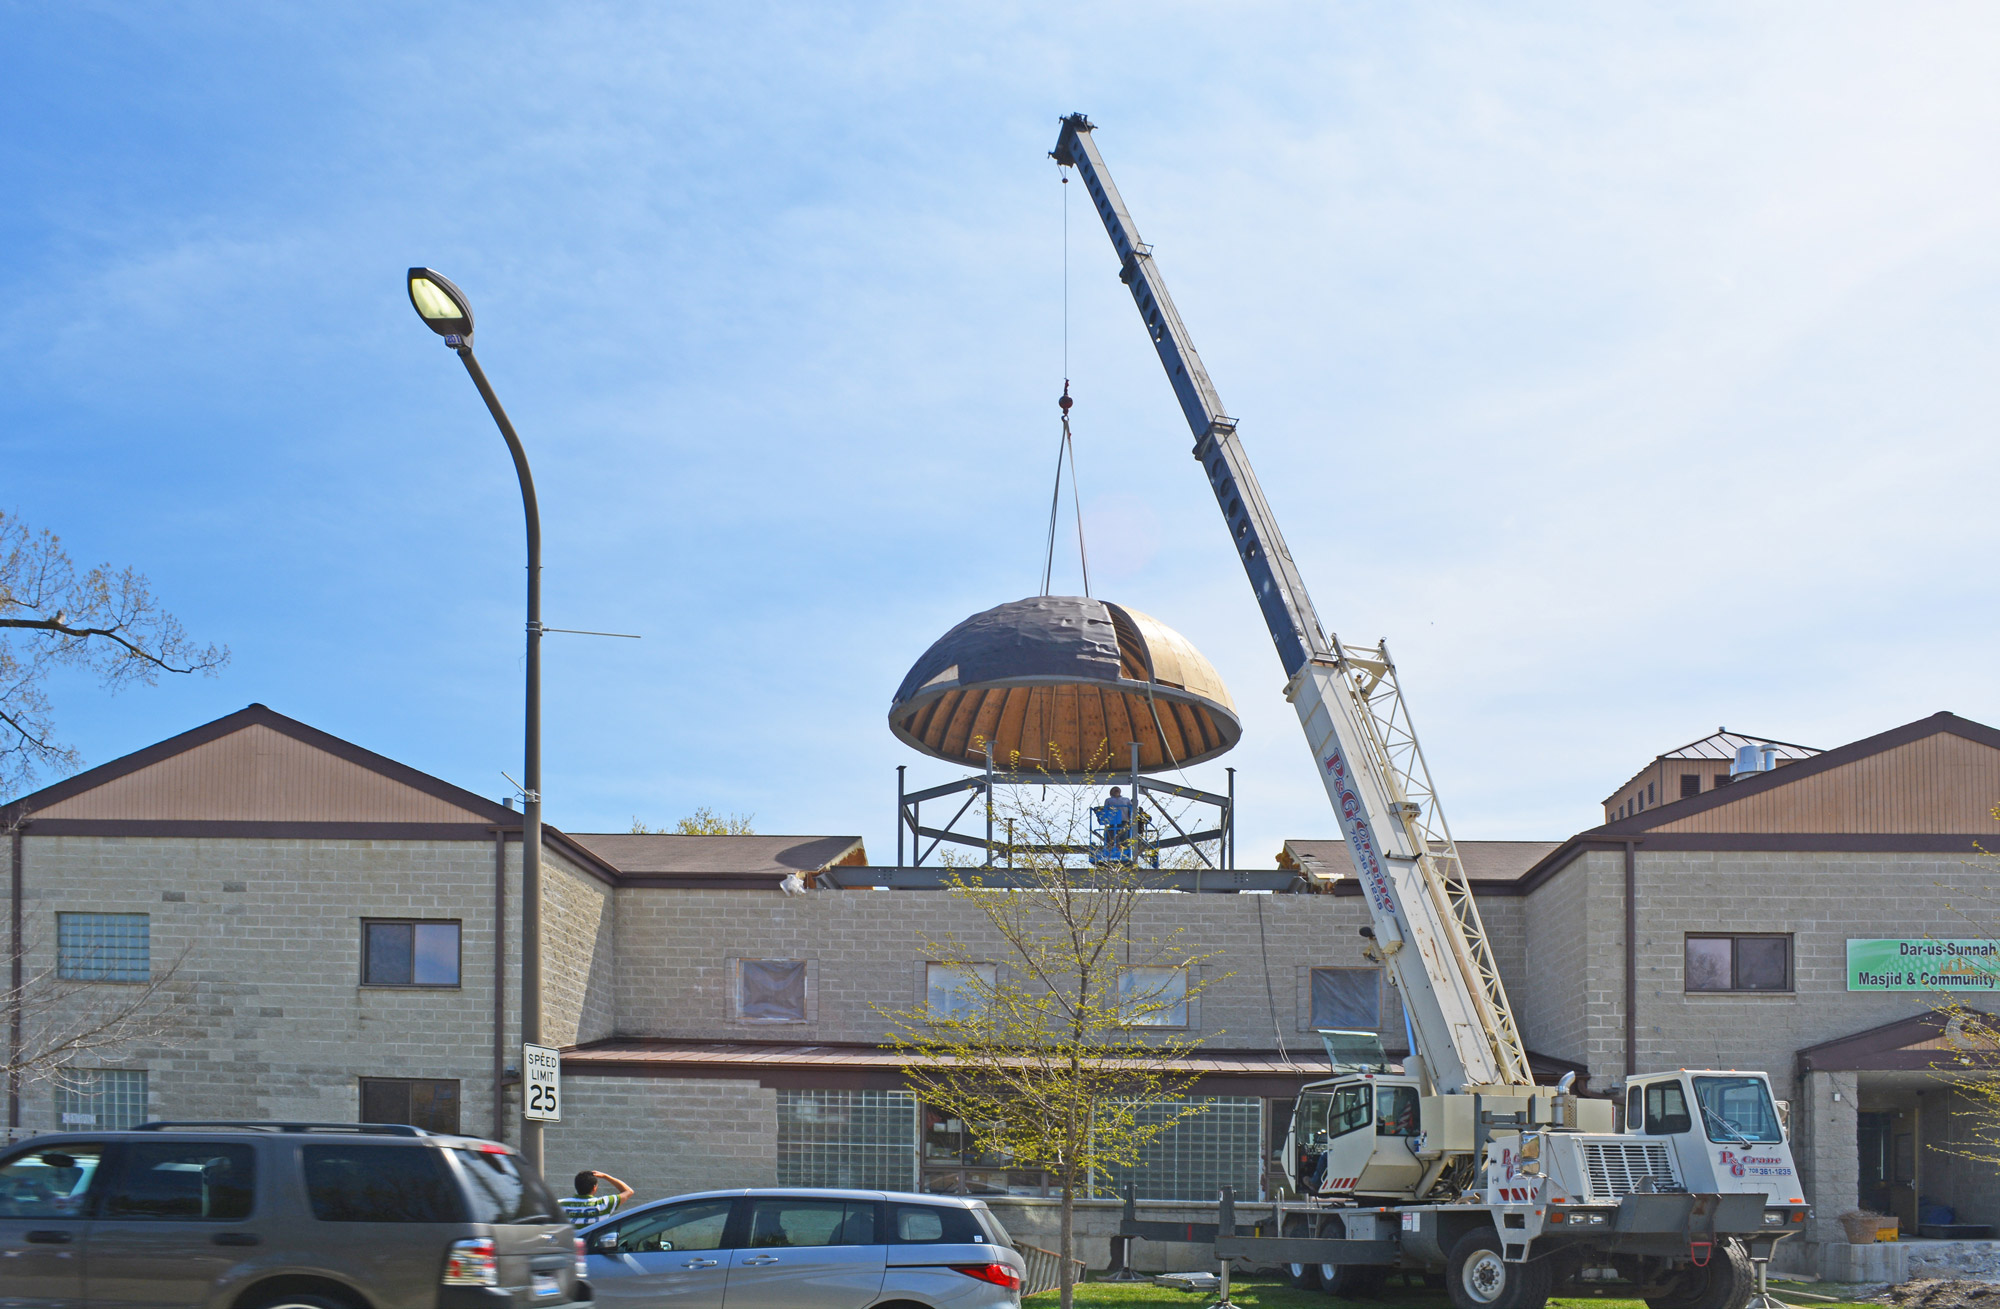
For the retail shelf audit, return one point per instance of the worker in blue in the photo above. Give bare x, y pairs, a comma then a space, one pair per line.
1114, 824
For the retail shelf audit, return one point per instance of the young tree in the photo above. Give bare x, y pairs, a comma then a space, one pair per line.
1971, 1058
1059, 1053
53, 616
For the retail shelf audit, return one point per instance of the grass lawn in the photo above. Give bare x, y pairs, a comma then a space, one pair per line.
1278, 1295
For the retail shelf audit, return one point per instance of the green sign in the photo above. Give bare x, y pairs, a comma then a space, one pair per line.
1923, 965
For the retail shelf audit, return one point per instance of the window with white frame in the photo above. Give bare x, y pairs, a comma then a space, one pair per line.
1153, 997
958, 991
104, 947
107, 1099
771, 990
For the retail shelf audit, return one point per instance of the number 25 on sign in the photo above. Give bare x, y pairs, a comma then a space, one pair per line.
541, 1082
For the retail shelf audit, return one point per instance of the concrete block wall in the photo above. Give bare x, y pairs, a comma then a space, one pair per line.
867, 949
1549, 1002
664, 1137
270, 1018
579, 953
1824, 1148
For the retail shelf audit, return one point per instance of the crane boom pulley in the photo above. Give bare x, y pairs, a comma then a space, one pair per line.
1427, 928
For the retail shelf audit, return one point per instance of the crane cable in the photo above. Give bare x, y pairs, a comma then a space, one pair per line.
1067, 448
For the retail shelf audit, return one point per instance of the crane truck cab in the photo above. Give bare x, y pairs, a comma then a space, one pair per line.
1358, 1134
1724, 1129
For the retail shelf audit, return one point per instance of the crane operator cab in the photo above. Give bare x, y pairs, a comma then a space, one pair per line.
1358, 1133
1121, 832
1727, 1135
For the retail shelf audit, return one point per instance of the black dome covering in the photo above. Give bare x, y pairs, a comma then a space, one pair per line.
1067, 684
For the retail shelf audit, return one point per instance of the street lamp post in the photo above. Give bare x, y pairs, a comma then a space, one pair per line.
444, 309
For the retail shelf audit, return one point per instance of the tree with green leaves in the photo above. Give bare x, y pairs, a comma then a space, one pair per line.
702, 822
1058, 1043
102, 620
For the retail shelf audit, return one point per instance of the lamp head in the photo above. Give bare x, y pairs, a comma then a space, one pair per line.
442, 306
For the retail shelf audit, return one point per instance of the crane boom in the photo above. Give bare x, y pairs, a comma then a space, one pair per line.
1427, 929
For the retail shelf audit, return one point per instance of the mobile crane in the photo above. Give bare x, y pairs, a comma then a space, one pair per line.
1458, 1162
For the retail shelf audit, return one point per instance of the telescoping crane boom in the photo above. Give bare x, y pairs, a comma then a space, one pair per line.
1350, 702
1459, 1164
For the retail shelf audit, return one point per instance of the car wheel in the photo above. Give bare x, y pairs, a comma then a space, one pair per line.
1725, 1283
298, 1300
1479, 1278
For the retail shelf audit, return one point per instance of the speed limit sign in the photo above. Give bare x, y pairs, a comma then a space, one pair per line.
542, 1083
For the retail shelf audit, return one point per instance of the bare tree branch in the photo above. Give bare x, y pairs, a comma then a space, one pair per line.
52, 616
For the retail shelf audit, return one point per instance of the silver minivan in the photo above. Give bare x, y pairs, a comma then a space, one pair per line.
800, 1248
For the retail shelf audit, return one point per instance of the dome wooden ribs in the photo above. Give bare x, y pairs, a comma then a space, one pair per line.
1065, 684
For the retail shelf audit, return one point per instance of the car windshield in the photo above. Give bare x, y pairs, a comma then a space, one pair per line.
1738, 1109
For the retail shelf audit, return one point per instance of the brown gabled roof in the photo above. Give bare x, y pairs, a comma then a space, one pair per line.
1646, 828
670, 859
1719, 744
454, 813
1917, 1042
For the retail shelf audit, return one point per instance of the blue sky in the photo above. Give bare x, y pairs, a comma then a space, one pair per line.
1631, 369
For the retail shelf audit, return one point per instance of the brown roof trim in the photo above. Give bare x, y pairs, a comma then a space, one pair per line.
1839, 756
279, 831
1748, 843
250, 716
1884, 1048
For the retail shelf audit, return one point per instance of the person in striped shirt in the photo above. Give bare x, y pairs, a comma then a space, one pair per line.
589, 1204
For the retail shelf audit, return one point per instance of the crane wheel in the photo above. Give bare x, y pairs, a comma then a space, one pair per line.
1726, 1283
1350, 1281
1303, 1276
1478, 1278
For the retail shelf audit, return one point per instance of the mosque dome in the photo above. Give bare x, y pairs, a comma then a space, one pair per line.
1066, 684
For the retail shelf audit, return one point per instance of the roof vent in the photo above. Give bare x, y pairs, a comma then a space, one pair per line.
1753, 759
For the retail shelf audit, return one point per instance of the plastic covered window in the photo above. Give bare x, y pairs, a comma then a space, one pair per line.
958, 991
1153, 997
1347, 998
771, 990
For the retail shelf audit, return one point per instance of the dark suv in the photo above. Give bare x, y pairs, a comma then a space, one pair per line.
271, 1215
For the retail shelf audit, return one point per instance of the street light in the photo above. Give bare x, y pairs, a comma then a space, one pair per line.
444, 309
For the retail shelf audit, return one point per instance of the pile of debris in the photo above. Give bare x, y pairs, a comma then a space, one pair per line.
1942, 1293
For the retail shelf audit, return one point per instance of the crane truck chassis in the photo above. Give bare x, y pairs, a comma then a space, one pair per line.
1456, 1163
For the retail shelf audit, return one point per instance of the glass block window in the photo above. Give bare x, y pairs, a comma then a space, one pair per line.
104, 947
109, 1099
1347, 999
1221, 1146
862, 1139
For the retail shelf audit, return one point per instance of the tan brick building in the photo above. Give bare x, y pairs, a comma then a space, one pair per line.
344, 929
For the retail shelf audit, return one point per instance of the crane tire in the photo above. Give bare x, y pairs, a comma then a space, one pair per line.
1726, 1283
1347, 1281
1303, 1276
1478, 1278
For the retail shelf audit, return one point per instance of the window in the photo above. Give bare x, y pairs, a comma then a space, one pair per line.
1197, 1156
48, 1183
1347, 999
785, 1223
111, 1099
1396, 1111
1690, 785
499, 1191
862, 1140
1666, 1109
696, 1225
420, 1102
771, 990
409, 954
922, 1224
1739, 963
954, 1163
1737, 1110
380, 1184
958, 991
1153, 997
1649, 792
104, 947
187, 1182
